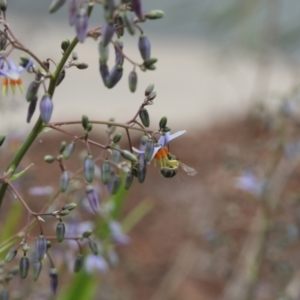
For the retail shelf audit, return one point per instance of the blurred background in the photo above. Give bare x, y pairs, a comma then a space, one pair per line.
224, 68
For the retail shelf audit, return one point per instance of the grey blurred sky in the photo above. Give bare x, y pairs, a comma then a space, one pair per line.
207, 69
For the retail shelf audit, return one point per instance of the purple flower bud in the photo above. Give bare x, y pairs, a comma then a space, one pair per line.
114, 76
141, 173
40, 247
132, 80
136, 6
93, 198
128, 180
53, 280
73, 9
81, 24
56, 5
117, 234
61, 77
24, 267
108, 30
31, 109
144, 47
46, 108
32, 90
118, 53
37, 268
104, 72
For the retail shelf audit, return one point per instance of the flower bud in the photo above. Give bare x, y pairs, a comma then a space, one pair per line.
64, 181
115, 156
128, 180
49, 159
3, 5
10, 255
154, 14
40, 247
32, 90
104, 72
116, 184
68, 150
93, 246
103, 52
70, 206
152, 96
31, 109
78, 263
128, 20
144, 116
49, 245
107, 32
93, 198
65, 44
105, 172
87, 234
163, 122
24, 267
149, 149
144, 47
166, 129
149, 63
46, 108
81, 24
119, 25
53, 280
89, 168
82, 66
132, 80
56, 5
84, 121
109, 6
73, 8
136, 6
2, 139
141, 173
24, 60
149, 89
62, 146
64, 212
117, 138
61, 77
114, 76
3, 40
89, 127
118, 52
129, 156
60, 231
37, 268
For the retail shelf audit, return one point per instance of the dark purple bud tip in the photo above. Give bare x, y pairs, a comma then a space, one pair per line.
32, 90
31, 109
136, 6
24, 267
144, 47
114, 76
128, 180
40, 247
53, 280
108, 30
46, 108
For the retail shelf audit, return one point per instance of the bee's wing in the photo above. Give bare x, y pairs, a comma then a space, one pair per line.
188, 170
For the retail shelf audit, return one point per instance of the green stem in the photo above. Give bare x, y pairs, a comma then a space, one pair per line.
39, 123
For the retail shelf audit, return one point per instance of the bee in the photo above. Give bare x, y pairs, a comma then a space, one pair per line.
169, 164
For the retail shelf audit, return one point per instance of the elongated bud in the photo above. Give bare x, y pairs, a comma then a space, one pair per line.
24, 267
128, 180
87, 233
65, 44
53, 280
60, 231
64, 212
109, 6
94, 248
116, 184
149, 149
132, 80
49, 245
129, 156
104, 72
114, 76
10, 255
144, 116
107, 32
78, 264
49, 159
141, 173
70, 206
64, 181
3, 40
128, 20
3, 5
119, 25
103, 52
31, 109
149, 63
2, 139
117, 138
154, 14
72, 10
69, 150
89, 127
37, 268
152, 96
118, 52
81, 24
136, 6
40, 247
115, 156
32, 90
82, 66
89, 168
144, 47
93, 198
62, 147
149, 89
46, 108
61, 77
105, 172
163, 122
56, 5
84, 121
